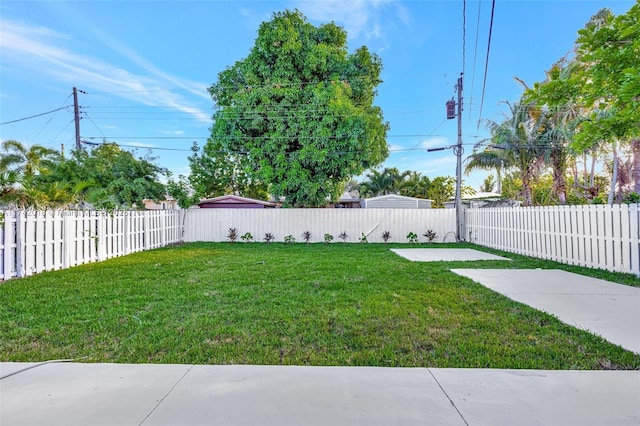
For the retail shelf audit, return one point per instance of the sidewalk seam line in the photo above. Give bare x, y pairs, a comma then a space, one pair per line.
448, 397
165, 396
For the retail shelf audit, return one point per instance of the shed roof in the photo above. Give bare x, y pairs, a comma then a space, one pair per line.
235, 199
395, 197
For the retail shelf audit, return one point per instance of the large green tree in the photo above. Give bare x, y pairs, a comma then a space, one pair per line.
299, 111
609, 49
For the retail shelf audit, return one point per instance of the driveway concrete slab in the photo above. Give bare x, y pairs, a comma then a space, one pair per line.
607, 309
85, 394
267, 395
440, 255
534, 397
125, 394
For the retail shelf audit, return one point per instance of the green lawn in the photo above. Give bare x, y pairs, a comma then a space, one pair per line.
338, 304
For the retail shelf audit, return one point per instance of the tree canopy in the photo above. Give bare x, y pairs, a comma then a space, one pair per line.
297, 113
104, 176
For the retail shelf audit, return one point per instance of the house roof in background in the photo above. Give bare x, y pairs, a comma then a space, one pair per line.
235, 199
395, 197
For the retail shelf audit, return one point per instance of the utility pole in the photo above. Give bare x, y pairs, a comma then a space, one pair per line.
76, 115
458, 150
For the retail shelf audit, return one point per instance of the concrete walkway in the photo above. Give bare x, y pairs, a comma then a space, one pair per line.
124, 394
607, 309
446, 255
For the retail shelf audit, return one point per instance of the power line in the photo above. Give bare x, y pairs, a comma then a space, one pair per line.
475, 56
51, 118
486, 64
34, 116
464, 35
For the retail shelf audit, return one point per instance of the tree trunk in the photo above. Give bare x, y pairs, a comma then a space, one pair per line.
614, 177
559, 183
635, 171
526, 188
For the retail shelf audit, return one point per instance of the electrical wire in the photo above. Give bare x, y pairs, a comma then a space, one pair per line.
475, 57
464, 36
486, 64
34, 116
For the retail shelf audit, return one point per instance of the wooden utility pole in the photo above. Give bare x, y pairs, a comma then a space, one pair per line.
458, 150
76, 116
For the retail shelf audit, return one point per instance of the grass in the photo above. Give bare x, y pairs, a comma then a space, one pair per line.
337, 304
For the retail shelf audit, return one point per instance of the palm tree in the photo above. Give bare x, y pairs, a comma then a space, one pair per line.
520, 138
389, 181
28, 161
491, 158
8, 187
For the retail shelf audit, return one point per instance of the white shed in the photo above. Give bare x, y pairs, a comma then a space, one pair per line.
394, 201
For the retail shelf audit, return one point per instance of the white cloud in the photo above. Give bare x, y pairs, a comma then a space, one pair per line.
364, 19
40, 48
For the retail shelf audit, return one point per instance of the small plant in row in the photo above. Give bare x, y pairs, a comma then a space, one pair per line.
430, 235
328, 238
268, 238
289, 239
343, 236
232, 235
412, 237
306, 236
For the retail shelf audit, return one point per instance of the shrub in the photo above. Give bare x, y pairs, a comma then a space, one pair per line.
430, 235
363, 238
343, 236
232, 235
412, 237
328, 238
306, 236
289, 239
247, 237
268, 237
386, 236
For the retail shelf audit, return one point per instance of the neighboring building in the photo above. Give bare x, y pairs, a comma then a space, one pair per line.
482, 199
167, 204
347, 201
234, 202
394, 201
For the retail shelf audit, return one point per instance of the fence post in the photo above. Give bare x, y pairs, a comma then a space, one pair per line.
147, 232
634, 238
102, 243
22, 242
7, 243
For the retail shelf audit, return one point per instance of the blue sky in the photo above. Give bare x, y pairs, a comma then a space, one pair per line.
145, 65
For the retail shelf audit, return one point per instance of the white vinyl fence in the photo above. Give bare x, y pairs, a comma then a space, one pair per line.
214, 224
595, 236
37, 241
